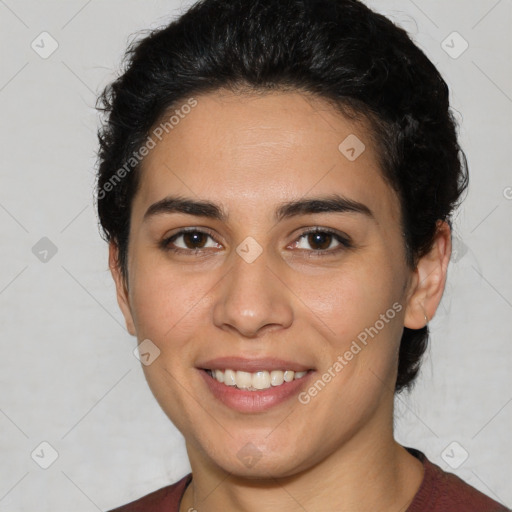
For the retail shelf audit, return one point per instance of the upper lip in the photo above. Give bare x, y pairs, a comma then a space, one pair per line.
251, 365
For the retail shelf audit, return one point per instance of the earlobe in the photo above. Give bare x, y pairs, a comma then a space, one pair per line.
428, 282
121, 288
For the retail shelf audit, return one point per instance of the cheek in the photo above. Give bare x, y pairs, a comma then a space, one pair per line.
352, 297
169, 308
166, 303
358, 311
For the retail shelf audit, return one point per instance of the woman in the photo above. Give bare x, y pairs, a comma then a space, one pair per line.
276, 183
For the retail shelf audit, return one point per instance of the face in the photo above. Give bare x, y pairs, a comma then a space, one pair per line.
294, 264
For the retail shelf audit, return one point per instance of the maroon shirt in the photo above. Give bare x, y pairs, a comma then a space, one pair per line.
439, 492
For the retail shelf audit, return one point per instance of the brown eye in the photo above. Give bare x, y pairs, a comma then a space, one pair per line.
189, 240
320, 241
194, 239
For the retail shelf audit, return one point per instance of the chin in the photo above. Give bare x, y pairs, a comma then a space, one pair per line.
251, 459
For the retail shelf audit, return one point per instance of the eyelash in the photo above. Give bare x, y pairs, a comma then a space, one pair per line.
344, 241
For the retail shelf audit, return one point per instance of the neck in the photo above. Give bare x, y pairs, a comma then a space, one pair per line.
368, 473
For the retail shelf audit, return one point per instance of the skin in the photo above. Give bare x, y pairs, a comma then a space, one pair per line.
250, 153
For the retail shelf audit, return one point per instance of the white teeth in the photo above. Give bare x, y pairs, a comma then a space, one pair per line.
288, 375
229, 377
243, 379
276, 377
261, 380
255, 381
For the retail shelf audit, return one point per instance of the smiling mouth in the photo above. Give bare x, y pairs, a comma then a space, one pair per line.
255, 381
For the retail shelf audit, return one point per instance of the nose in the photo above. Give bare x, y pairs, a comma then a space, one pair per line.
251, 299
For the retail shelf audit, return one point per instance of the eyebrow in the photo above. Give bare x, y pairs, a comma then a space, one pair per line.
199, 208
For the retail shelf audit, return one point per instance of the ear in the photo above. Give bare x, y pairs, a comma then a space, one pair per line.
121, 287
428, 281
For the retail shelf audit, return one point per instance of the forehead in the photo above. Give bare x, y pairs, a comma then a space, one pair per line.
252, 151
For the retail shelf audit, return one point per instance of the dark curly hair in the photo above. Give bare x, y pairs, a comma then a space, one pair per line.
340, 50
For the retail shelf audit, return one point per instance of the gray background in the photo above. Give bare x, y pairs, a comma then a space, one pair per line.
68, 375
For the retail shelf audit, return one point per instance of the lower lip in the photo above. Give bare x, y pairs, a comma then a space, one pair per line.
254, 401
